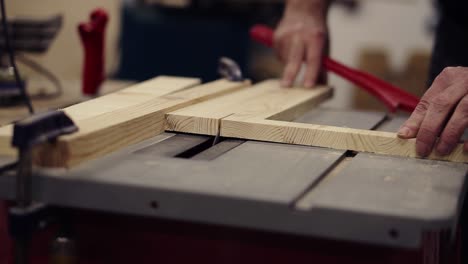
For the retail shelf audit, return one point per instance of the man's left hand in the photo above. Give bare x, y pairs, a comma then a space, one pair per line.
442, 111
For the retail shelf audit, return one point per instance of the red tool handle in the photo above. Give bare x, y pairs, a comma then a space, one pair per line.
92, 38
392, 96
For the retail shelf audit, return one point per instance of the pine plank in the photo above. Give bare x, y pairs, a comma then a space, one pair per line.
378, 142
204, 118
139, 93
260, 114
124, 124
267, 96
72, 96
235, 110
130, 96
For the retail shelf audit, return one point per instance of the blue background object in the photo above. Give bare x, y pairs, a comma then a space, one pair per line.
157, 41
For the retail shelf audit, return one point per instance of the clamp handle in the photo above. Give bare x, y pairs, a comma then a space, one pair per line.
28, 133
40, 128
393, 97
92, 38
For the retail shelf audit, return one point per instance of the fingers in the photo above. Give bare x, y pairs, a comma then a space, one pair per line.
454, 129
411, 127
439, 110
297, 41
314, 59
294, 61
430, 117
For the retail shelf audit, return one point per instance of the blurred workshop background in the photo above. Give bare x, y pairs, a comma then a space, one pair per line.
145, 38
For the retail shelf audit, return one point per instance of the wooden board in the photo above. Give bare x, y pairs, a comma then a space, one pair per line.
378, 142
73, 95
224, 108
117, 120
256, 117
104, 104
266, 99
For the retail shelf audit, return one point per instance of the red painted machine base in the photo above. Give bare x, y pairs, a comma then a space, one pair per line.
117, 239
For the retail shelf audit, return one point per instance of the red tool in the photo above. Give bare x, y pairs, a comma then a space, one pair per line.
393, 97
92, 38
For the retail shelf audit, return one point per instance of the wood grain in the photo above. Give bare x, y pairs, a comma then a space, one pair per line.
260, 112
130, 96
378, 142
124, 124
266, 99
204, 118
38, 87
230, 109
139, 93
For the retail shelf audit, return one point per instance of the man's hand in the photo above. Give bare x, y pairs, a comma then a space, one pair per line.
442, 111
301, 37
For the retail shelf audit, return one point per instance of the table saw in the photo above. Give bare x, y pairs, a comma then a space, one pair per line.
253, 201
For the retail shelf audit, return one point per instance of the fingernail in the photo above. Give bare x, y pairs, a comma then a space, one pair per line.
443, 150
404, 132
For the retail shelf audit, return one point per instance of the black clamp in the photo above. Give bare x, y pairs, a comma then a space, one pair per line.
32, 131
26, 217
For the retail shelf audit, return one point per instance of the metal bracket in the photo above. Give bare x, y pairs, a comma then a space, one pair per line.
230, 70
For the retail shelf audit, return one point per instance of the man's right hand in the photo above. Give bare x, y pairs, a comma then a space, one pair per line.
302, 36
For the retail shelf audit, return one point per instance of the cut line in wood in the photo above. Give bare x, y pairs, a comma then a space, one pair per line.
264, 100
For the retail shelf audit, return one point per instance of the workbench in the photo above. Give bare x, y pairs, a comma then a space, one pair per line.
278, 188
366, 201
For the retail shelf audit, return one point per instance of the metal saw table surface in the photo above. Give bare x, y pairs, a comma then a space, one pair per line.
289, 189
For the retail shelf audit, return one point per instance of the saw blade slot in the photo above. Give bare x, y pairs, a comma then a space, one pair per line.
190, 146
193, 151
210, 149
